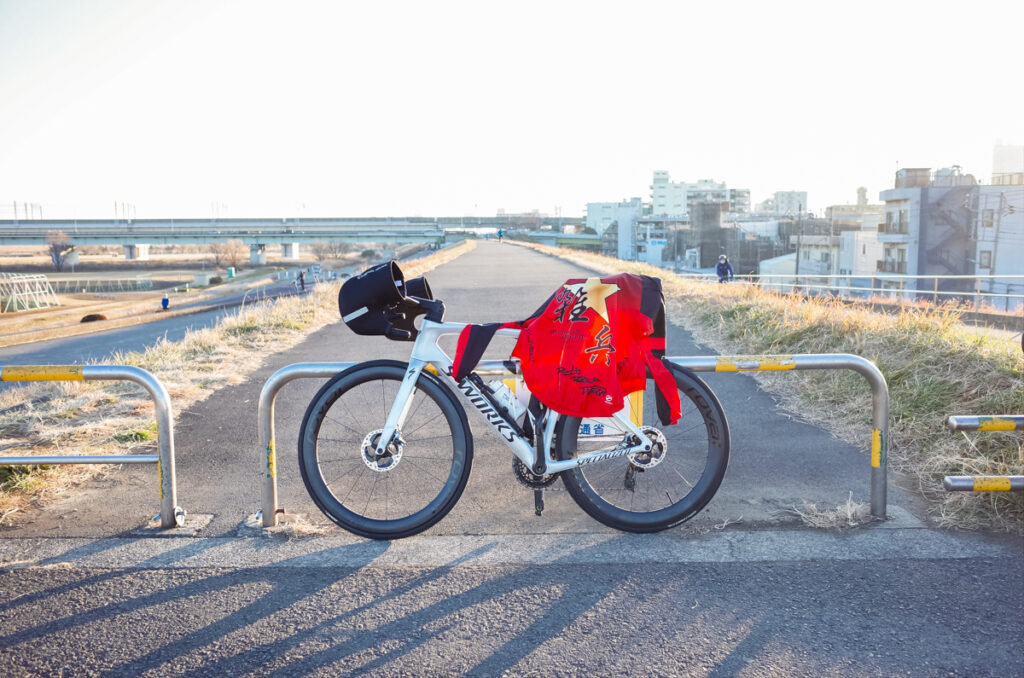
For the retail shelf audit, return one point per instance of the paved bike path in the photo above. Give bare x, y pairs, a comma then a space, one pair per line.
777, 463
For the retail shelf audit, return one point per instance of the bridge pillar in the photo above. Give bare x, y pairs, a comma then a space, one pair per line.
136, 252
289, 250
258, 254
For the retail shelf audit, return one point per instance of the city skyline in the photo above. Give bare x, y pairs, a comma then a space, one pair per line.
241, 109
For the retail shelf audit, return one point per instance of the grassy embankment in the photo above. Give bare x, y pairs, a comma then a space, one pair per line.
934, 367
117, 417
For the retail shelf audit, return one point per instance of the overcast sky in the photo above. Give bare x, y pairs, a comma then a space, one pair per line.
439, 108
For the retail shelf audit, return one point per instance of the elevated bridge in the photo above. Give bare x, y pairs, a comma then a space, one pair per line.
137, 235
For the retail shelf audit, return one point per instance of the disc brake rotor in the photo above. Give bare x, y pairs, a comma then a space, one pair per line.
387, 460
644, 460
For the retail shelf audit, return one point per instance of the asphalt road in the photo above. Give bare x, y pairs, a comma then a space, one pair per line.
742, 589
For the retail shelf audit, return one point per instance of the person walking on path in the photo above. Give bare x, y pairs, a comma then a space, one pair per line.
723, 269
302, 279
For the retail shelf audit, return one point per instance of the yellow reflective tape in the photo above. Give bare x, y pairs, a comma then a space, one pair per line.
510, 383
992, 484
41, 373
996, 424
430, 368
271, 460
740, 363
876, 448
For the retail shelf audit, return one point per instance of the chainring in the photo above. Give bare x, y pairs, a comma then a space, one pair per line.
527, 478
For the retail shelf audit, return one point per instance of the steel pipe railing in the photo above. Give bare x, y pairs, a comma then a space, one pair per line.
984, 483
265, 414
171, 515
880, 394
998, 422
823, 361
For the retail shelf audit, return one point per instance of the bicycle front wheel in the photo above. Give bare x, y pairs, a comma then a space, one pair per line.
655, 491
419, 477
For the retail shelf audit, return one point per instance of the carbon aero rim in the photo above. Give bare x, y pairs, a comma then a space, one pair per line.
409, 489
650, 494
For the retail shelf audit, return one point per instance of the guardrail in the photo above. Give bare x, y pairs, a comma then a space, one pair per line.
1002, 292
267, 515
1000, 422
171, 515
824, 361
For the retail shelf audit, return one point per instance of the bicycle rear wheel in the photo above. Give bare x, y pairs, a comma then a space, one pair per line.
649, 492
418, 479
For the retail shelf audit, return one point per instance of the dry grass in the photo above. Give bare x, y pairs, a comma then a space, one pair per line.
935, 367
118, 417
846, 515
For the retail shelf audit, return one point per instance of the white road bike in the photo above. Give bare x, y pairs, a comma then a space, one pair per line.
385, 448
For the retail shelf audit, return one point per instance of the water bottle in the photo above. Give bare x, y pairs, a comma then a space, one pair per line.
504, 396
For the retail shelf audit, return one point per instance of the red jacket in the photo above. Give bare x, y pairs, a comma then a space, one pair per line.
588, 347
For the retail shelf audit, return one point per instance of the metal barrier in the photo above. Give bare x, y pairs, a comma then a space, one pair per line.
170, 514
265, 414
824, 361
1001, 422
879, 391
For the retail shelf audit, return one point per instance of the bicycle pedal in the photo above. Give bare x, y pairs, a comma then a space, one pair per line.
538, 502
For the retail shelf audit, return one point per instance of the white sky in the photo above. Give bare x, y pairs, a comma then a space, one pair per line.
308, 108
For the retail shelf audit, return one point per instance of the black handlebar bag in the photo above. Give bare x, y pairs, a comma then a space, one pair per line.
376, 302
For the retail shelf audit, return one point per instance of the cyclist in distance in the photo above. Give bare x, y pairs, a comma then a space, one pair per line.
724, 269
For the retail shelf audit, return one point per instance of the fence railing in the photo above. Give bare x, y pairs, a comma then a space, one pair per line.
1001, 422
879, 390
1000, 292
171, 515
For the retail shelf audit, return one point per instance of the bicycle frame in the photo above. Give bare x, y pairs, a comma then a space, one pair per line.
427, 354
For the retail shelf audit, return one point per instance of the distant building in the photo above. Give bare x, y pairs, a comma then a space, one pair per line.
926, 227
943, 223
861, 215
676, 199
1007, 165
998, 228
790, 203
602, 216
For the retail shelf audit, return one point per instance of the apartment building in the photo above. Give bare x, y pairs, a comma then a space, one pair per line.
789, 203
676, 199
623, 215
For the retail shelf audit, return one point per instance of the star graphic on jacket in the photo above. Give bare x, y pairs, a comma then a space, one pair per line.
594, 294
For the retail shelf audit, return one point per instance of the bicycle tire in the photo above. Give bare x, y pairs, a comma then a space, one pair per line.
336, 437
697, 446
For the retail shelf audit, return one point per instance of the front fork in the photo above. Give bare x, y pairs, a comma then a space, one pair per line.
400, 408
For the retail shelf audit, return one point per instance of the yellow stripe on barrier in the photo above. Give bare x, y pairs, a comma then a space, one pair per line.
996, 424
876, 448
992, 484
271, 460
41, 373
754, 363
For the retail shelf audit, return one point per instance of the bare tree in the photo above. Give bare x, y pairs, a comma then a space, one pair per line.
59, 246
234, 252
321, 250
330, 249
218, 250
230, 253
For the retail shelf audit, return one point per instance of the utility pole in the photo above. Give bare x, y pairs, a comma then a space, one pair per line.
799, 233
